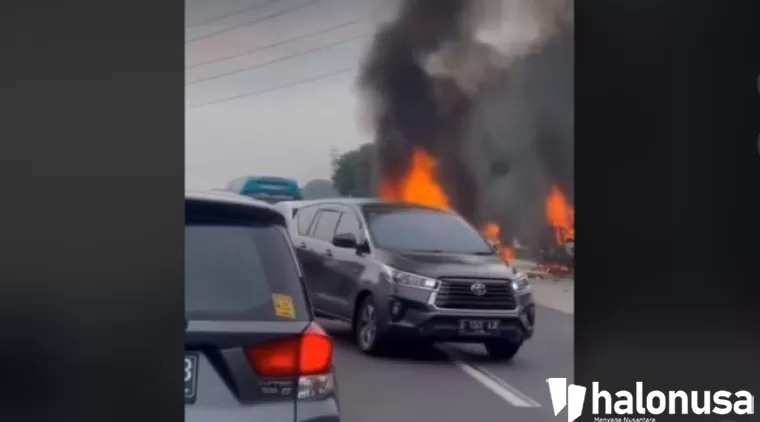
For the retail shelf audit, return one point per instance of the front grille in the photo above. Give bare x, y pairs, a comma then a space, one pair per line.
457, 294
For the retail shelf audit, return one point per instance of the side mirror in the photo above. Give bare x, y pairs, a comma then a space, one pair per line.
345, 240
363, 248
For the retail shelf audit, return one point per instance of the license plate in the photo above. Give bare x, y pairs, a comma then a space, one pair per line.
191, 377
479, 327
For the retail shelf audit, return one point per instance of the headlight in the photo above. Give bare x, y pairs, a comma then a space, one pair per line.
403, 278
520, 283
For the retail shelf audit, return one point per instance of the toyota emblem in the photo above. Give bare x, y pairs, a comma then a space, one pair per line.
478, 289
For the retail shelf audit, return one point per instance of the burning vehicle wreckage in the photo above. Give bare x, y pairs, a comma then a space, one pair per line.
471, 104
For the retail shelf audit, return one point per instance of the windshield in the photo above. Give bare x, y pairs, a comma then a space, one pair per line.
237, 271
419, 230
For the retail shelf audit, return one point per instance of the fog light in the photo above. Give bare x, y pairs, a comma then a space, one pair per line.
397, 309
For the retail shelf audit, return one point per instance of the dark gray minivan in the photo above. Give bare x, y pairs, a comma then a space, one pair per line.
399, 271
252, 349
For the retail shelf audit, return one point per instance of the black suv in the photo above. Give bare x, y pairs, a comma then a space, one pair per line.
405, 271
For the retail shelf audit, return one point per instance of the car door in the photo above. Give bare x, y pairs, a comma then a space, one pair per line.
308, 259
346, 265
320, 250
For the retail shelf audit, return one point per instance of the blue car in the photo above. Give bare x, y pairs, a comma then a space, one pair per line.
266, 188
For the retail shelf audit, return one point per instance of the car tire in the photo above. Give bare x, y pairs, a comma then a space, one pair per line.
370, 332
502, 350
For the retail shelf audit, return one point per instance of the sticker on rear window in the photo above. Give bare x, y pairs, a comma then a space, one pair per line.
283, 306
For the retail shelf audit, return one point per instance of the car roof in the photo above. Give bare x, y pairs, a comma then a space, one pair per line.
358, 202
230, 198
291, 204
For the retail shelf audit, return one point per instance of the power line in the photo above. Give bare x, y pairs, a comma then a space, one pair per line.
253, 22
277, 60
228, 15
276, 44
274, 88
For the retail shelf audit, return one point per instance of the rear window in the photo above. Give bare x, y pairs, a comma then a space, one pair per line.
240, 272
420, 230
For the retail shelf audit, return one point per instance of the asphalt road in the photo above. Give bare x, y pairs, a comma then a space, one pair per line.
454, 382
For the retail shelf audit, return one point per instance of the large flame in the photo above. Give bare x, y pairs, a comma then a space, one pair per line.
561, 216
419, 186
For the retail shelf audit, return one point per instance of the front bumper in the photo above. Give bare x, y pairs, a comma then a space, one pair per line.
414, 314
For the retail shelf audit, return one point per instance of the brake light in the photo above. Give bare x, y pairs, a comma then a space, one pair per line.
309, 354
316, 351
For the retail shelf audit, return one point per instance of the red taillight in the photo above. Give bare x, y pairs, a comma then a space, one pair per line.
316, 351
309, 354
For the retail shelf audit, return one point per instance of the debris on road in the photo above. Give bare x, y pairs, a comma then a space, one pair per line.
545, 271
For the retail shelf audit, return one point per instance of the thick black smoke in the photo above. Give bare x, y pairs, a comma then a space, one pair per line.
410, 108
486, 87
523, 123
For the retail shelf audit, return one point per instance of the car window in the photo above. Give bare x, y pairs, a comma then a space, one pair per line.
235, 271
326, 223
305, 216
348, 224
423, 231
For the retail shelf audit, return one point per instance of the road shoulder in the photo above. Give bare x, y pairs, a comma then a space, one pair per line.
558, 294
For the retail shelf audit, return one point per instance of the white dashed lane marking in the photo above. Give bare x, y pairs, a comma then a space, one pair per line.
497, 385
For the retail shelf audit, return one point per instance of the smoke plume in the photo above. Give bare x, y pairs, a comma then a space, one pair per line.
486, 86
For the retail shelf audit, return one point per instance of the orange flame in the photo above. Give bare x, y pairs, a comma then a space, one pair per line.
419, 186
492, 232
561, 216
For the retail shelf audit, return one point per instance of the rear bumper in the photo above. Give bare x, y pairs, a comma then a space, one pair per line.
325, 410
414, 319
318, 411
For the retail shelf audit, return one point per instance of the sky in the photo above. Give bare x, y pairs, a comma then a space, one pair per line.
265, 112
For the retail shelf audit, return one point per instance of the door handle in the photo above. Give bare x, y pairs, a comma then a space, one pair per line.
328, 253
302, 245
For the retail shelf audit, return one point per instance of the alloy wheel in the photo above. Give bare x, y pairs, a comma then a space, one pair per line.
367, 327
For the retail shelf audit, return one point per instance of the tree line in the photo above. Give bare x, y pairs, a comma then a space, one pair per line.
352, 176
